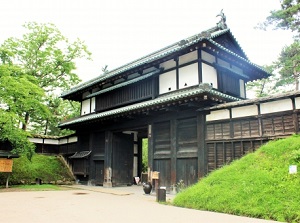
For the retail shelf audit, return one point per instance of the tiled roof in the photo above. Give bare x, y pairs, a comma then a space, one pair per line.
124, 83
236, 55
254, 100
205, 35
170, 97
80, 155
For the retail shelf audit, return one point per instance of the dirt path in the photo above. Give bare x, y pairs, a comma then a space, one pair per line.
127, 204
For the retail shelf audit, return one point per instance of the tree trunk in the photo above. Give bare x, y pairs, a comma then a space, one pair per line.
295, 76
46, 127
24, 127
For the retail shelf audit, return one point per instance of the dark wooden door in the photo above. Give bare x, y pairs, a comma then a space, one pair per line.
187, 171
99, 172
122, 159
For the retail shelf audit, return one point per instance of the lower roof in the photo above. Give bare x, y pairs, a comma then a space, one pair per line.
202, 89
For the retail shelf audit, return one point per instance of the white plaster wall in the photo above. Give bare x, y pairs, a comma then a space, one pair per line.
208, 57
168, 64
223, 63
297, 103
63, 141
276, 106
73, 139
93, 104
218, 115
188, 57
35, 140
51, 141
188, 75
209, 75
242, 89
167, 82
244, 111
85, 107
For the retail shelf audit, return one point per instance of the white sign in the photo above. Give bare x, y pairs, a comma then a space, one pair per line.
292, 169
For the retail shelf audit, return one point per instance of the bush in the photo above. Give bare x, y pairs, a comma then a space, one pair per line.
47, 168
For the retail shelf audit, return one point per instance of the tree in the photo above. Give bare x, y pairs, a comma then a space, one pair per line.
288, 17
263, 87
46, 55
18, 94
61, 110
289, 65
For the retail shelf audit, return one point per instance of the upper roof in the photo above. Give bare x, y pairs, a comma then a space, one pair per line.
211, 36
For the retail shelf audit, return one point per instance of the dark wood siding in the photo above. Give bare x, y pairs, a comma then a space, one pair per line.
123, 96
162, 140
47, 148
163, 166
227, 140
187, 171
68, 149
229, 83
278, 125
187, 137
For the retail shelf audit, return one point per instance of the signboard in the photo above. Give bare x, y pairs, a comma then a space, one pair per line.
292, 169
6, 165
155, 175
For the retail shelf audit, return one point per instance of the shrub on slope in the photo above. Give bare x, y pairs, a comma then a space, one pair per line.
46, 168
257, 185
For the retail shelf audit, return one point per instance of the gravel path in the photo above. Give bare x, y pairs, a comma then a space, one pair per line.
97, 204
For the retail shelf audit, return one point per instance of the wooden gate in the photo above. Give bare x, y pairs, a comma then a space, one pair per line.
99, 172
122, 159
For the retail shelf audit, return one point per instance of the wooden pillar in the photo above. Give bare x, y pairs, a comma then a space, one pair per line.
260, 124
177, 72
202, 150
140, 156
173, 129
108, 159
199, 66
150, 150
295, 116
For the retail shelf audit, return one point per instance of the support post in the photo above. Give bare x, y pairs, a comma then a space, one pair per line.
108, 159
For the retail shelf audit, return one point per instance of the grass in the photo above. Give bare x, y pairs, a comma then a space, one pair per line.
258, 185
33, 187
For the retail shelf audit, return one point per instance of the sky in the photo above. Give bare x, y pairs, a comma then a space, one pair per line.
117, 32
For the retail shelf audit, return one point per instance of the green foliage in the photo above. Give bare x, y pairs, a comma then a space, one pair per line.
258, 185
145, 156
61, 110
47, 168
288, 17
33, 69
289, 65
264, 87
44, 53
